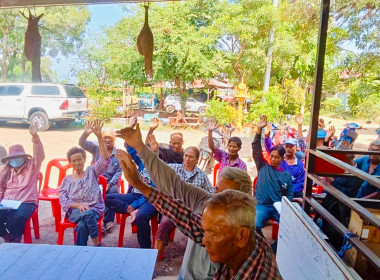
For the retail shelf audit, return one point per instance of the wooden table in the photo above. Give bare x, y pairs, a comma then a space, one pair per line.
40, 261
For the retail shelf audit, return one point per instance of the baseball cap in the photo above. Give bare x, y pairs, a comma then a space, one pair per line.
321, 134
291, 141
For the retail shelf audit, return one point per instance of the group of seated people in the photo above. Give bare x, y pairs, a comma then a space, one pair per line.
223, 222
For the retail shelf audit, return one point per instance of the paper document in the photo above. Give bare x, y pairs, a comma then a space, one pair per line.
277, 205
9, 204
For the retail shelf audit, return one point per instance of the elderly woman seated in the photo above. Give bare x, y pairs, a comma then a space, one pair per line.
80, 195
18, 181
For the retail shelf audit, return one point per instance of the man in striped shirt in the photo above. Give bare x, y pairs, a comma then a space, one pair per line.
226, 228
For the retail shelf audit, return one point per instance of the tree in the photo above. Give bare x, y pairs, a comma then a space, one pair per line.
10, 36
242, 28
184, 48
61, 30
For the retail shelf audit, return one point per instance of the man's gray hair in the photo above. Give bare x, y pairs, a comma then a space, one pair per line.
375, 143
240, 176
108, 130
177, 133
239, 207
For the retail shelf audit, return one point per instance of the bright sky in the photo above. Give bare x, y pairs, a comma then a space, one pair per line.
101, 15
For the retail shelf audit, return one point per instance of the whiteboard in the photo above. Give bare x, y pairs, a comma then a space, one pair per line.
302, 253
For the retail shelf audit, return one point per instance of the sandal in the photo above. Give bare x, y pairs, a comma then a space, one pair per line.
109, 225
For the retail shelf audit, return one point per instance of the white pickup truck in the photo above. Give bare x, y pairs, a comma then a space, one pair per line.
42, 103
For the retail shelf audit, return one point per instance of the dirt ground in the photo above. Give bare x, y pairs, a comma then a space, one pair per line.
57, 141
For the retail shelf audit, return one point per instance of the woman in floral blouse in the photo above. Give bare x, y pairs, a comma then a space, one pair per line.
80, 195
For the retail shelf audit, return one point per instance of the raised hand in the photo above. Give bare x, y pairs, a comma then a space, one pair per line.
154, 123
133, 121
267, 130
345, 144
87, 128
132, 137
262, 122
212, 125
300, 119
129, 168
33, 129
96, 127
330, 133
153, 143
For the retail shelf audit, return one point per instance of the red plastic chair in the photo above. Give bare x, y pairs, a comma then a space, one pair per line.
274, 223
65, 223
216, 172
34, 219
153, 223
51, 194
122, 190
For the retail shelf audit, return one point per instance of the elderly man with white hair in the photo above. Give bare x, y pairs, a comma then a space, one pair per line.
226, 228
113, 172
196, 263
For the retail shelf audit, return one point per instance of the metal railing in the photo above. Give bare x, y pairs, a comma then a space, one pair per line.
312, 175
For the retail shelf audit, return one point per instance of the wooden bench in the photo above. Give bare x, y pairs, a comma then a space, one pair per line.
177, 122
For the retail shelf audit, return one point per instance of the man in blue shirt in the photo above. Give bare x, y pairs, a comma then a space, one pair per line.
371, 165
113, 172
126, 203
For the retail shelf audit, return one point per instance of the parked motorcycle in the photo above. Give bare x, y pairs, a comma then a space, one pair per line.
349, 134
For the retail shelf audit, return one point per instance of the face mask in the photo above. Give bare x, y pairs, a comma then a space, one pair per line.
16, 162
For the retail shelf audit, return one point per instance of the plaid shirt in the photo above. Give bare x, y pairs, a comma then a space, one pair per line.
261, 263
196, 177
302, 144
224, 160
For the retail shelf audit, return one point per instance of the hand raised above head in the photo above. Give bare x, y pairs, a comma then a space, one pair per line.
154, 123
33, 129
87, 127
267, 130
300, 119
133, 121
129, 167
132, 136
212, 124
262, 122
97, 127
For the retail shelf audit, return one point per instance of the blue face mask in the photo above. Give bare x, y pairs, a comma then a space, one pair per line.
16, 162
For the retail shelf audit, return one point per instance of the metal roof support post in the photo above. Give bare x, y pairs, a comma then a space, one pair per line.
316, 103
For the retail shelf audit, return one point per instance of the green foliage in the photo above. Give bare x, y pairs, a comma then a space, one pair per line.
221, 111
364, 99
61, 29
292, 97
104, 111
277, 102
103, 104
370, 108
266, 103
332, 105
